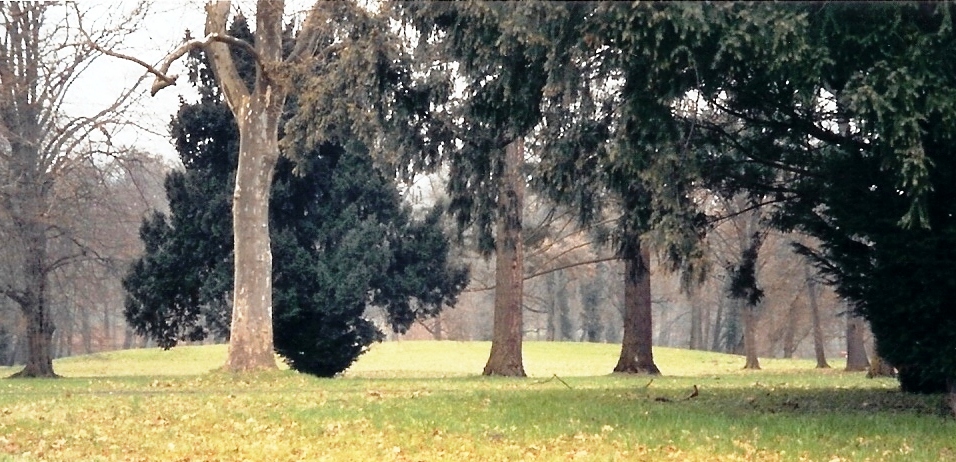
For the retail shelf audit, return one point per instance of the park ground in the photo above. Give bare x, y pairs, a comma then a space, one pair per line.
423, 401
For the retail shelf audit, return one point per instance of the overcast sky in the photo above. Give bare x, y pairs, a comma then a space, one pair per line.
162, 31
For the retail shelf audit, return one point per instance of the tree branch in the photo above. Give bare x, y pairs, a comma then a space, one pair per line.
550, 270
163, 78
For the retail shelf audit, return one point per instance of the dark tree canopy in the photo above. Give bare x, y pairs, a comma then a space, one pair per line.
341, 239
843, 116
837, 117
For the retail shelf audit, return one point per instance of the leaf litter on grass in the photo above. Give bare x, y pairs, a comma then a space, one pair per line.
798, 414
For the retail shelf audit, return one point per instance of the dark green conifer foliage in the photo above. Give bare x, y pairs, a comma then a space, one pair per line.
870, 174
341, 241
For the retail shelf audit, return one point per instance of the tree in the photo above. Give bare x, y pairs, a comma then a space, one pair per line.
340, 236
257, 108
618, 151
818, 349
504, 55
591, 294
323, 38
840, 115
42, 147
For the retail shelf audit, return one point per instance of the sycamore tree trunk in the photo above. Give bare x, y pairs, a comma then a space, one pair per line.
505, 358
637, 355
696, 324
257, 112
251, 337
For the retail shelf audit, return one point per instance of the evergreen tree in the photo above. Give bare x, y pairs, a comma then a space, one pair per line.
341, 240
843, 117
504, 53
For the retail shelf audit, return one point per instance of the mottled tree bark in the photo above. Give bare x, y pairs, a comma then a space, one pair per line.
250, 340
506, 358
33, 305
32, 300
718, 325
637, 355
257, 112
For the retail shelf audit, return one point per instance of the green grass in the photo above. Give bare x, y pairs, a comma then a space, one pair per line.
424, 401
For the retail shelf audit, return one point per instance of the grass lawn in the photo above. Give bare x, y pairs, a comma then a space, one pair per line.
409, 401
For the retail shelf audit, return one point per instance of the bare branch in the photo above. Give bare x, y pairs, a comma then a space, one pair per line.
215, 20
550, 270
163, 79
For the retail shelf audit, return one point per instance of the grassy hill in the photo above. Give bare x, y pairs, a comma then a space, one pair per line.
423, 359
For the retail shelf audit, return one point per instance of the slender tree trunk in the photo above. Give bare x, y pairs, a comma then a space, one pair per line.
856, 359
718, 325
749, 315
128, 336
789, 334
505, 358
437, 330
86, 330
637, 355
109, 342
818, 344
552, 308
696, 324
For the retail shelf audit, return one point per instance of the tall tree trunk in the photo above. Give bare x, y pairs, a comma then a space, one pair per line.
637, 355
790, 332
251, 338
86, 330
856, 359
818, 344
718, 325
128, 337
696, 324
551, 306
749, 317
257, 112
505, 358
109, 341
437, 332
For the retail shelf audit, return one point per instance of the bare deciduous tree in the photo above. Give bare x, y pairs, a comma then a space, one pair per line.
43, 153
